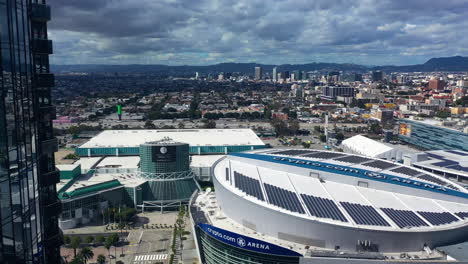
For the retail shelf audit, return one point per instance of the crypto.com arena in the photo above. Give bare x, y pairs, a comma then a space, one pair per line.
297, 206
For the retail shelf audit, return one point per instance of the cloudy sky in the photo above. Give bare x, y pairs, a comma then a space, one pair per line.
201, 32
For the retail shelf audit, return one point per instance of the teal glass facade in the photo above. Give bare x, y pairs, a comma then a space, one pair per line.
431, 137
193, 150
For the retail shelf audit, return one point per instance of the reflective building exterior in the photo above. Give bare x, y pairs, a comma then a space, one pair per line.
432, 137
29, 206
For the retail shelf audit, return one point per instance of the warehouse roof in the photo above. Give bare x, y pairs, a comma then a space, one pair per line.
195, 137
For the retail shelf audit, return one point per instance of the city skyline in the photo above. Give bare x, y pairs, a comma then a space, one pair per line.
180, 32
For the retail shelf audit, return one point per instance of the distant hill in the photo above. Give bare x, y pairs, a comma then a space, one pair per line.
453, 64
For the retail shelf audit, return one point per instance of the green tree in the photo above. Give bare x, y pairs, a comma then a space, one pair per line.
323, 138
75, 243
101, 259
100, 239
210, 124
306, 145
112, 240
86, 253
66, 240
108, 245
181, 125
443, 114
78, 260
89, 239
462, 101
294, 126
339, 136
149, 124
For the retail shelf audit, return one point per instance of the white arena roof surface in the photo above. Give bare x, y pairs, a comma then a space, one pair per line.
195, 137
305, 192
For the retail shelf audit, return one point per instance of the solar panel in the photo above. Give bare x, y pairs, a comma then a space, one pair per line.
457, 167
438, 218
404, 218
248, 185
379, 164
283, 198
324, 155
462, 215
323, 208
353, 159
452, 187
292, 152
406, 171
457, 152
435, 156
364, 214
445, 163
432, 179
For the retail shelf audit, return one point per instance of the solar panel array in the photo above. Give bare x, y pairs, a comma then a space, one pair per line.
452, 187
364, 214
435, 156
457, 167
323, 208
432, 179
438, 218
404, 218
406, 171
292, 152
248, 185
457, 152
445, 163
324, 155
353, 159
379, 164
462, 215
283, 198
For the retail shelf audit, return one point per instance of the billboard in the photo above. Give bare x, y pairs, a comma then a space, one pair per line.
245, 242
163, 153
405, 129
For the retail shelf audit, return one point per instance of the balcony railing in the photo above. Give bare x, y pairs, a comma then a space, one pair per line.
54, 208
45, 80
50, 145
40, 12
42, 46
48, 112
50, 178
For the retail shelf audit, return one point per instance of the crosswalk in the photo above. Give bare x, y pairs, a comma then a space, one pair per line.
143, 258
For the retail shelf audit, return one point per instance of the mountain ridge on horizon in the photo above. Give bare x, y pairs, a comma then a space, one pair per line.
453, 63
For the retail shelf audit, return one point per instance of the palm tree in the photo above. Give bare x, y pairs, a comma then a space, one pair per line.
87, 254
108, 245
75, 243
101, 259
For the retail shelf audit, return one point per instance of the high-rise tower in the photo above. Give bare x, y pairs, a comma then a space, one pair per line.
258, 73
29, 206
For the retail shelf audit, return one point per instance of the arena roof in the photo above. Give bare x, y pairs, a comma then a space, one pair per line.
449, 161
194, 137
347, 190
208, 211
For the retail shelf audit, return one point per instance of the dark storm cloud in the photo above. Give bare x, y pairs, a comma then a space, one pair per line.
276, 31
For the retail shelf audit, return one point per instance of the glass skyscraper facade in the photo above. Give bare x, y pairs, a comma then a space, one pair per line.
29, 205
432, 137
